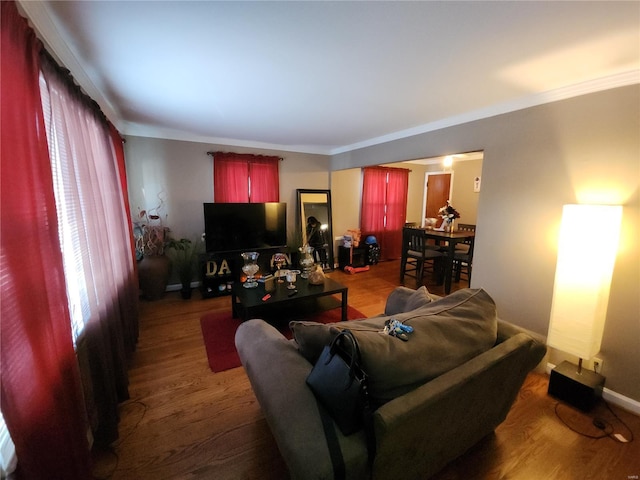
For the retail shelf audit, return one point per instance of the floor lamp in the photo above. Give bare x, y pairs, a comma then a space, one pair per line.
580, 297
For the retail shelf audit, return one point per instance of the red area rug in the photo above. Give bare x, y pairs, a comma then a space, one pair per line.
219, 331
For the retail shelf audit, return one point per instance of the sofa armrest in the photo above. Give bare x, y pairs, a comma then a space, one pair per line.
277, 373
507, 330
437, 422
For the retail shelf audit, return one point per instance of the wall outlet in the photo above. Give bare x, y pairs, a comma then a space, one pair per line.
595, 364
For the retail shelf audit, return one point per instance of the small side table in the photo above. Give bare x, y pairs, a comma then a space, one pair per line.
354, 257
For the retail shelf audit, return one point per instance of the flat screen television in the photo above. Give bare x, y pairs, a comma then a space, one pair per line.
244, 226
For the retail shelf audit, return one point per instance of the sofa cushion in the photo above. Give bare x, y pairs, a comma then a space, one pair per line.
447, 333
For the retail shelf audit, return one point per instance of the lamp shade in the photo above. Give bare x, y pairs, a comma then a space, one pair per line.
586, 256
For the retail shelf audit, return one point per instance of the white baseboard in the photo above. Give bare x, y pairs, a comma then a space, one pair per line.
177, 287
629, 404
610, 396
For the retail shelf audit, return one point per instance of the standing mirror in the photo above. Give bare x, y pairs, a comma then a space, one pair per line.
314, 217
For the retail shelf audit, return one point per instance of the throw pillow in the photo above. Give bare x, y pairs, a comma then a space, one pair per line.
403, 299
311, 338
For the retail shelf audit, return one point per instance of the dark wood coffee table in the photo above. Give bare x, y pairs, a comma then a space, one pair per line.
248, 303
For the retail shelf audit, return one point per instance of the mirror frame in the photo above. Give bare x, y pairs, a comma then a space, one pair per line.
302, 220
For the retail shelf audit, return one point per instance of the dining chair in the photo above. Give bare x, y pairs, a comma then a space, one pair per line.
465, 227
417, 257
463, 260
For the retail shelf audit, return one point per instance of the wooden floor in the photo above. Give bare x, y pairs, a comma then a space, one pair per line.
185, 422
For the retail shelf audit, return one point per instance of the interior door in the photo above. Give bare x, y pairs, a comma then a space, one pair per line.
438, 192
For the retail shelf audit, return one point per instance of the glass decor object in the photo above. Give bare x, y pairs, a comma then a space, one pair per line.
250, 268
279, 259
306, 260
291, 278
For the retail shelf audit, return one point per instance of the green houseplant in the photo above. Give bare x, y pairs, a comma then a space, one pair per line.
184, 254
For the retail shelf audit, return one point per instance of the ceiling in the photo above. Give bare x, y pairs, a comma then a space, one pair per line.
329, 77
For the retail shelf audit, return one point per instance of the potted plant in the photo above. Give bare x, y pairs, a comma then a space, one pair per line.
184, 255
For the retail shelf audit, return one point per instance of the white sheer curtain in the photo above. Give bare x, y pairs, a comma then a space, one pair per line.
94, 237
89, 200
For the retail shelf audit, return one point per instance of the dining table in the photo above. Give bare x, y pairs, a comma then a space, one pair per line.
447, 241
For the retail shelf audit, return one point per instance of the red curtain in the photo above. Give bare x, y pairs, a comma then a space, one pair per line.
129, 308
41, 392
264, 175
397, 186
230, 178
384, 207
244, 178
374, 192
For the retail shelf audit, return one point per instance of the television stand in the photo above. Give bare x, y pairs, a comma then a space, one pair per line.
219, 271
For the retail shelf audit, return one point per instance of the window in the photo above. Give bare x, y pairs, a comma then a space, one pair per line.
8, 458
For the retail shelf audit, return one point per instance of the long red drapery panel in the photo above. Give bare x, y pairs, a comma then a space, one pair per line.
384, 207
41, 391
397, 186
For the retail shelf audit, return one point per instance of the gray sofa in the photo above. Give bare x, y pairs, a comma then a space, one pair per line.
434, 400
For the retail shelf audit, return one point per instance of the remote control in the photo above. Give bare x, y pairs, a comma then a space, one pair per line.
291, 294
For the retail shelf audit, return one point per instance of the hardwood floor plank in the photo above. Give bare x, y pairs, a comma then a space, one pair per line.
185, 422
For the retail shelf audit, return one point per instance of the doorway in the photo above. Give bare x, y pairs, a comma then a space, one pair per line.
438, 187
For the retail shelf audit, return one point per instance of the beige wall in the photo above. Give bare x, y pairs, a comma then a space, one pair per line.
346, 193
580, 150
182, 173
463, 198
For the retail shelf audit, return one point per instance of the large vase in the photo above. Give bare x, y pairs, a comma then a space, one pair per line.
306, 261
250, 268
451, 227
153, 276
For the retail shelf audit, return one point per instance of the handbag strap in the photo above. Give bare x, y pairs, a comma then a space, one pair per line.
335, 453
354, 350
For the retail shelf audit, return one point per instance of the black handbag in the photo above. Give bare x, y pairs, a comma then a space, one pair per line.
340, 384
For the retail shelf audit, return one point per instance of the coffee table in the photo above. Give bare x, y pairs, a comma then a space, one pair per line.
248, 303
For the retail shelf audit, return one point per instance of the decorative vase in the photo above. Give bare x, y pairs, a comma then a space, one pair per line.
306, 260
452, 226
250, 268
153, 276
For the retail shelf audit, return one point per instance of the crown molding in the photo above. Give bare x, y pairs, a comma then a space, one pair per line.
138, 130
623, 79
49, 33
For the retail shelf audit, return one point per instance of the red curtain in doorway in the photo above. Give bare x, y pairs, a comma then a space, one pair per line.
374, 196
384, 206
397, 186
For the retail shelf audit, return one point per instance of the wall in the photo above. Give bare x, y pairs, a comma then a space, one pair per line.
581, 150
346, 194
463, 198
415, 191
182, 174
